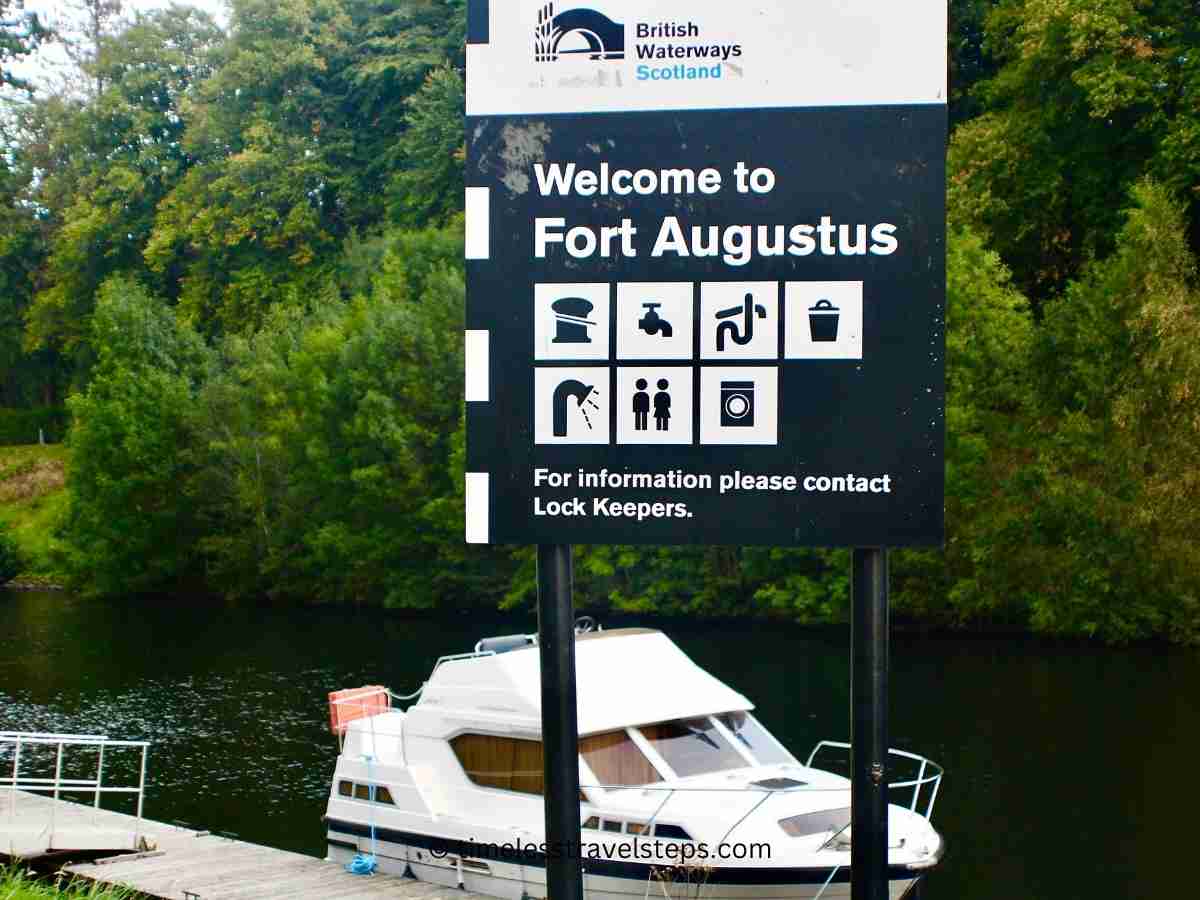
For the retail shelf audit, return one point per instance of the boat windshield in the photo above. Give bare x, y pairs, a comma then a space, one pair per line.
750, 732
692, 746
615, 759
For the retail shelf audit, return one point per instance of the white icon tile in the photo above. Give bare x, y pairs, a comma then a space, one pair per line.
654, 404
824, 320
570, 405
570, 321
739, 320
739, 405
654, 320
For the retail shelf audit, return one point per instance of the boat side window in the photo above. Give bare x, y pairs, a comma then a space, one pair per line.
671, 831
363, 792
692, 746
616, 760
635, 827
816, 822
753, 735
511, 764
610, 825
592, 822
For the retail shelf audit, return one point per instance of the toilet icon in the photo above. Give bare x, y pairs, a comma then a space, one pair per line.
571, 320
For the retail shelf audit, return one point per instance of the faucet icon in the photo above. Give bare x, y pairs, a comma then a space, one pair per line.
580, 392
745, 334
652, 323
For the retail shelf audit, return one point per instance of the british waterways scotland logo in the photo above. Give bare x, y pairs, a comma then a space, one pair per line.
577, 32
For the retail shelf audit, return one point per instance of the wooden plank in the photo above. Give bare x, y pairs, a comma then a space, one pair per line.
212, 867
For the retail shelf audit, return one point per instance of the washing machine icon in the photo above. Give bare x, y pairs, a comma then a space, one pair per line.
737, 404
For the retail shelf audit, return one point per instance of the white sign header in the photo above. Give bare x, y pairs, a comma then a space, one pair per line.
572, 56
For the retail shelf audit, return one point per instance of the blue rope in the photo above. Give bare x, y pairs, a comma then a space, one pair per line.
364, 863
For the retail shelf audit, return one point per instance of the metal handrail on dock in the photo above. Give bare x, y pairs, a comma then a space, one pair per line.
29, 783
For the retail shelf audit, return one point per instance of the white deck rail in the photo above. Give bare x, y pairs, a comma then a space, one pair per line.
929, 773
25, 743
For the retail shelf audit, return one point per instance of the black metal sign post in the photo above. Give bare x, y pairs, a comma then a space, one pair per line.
560, 725
869, 724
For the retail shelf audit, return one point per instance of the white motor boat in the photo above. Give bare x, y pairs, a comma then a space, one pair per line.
684, 793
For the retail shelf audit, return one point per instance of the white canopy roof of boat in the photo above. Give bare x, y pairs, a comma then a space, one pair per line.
627, 676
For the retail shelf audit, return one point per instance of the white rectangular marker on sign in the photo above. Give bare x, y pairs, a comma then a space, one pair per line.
478, 360
478, 223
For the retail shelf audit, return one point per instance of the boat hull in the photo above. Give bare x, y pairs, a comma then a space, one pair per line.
606, 879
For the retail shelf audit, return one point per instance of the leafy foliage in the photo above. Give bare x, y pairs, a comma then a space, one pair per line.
11, 563
22, 426
20, 34
241, 252
1088, 97
989, 344
131, 525
108, 164
330, 439
1118, 478
430, 188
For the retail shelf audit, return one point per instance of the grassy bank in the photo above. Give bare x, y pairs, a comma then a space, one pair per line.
33, 498
15, 884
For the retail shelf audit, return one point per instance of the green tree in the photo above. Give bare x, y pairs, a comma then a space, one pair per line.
20, 34
334, 443
989, 419
11, 563
25, 378
1115, 484
970, 61
430, 186
131, 524
106, 165
1088, 97
95, 21
297, 135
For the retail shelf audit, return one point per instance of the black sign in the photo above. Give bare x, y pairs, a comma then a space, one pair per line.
717, 326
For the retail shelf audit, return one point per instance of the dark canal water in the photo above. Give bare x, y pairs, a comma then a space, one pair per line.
1071, 772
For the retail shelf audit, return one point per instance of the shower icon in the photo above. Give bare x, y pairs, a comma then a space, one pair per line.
582, 394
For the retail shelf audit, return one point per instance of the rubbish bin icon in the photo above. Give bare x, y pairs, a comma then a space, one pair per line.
823, 322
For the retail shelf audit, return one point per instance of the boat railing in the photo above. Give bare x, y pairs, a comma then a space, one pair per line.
23, 745
368, 705
929, 775
757, 795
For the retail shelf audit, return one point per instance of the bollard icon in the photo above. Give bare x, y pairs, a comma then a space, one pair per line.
823, 322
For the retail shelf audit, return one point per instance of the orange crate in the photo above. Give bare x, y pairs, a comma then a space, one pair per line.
356, 703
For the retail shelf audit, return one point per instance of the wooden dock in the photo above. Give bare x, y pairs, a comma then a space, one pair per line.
168, 861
